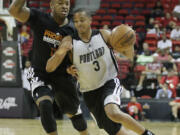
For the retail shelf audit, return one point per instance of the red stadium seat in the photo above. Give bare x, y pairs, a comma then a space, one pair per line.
150, 5
151, 42
107, 18
140, 24
101, 12
127, 5
119, 18
105, 23
116, 23
135, 12
146, 12
116, 6
139, 5
140, 17
130, 17
151, 37
123, 12
95, 24
112, 11
105, 5
97, 18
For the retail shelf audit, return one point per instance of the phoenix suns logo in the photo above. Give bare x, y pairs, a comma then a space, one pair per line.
53, 38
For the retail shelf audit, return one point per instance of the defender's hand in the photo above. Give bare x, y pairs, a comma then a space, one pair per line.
72, 70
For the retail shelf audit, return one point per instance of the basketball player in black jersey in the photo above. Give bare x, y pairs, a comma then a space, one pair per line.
49, 30
104, 100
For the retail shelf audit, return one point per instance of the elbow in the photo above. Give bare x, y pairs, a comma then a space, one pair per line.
49, 69
10, 10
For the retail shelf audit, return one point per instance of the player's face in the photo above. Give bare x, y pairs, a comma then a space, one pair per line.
60, 7
82, 22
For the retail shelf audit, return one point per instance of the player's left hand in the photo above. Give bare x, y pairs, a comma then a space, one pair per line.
72, 70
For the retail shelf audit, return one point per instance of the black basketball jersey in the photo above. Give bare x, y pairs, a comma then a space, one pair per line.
47, 36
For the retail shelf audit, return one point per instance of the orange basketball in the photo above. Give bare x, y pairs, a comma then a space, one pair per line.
122, 36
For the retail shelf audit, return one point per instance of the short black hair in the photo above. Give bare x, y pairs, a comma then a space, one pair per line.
88, 13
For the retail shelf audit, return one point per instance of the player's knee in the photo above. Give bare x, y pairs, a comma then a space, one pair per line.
79, 122
47, 117
113, 113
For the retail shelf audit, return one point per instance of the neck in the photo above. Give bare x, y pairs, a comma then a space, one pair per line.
86, 36
59, 20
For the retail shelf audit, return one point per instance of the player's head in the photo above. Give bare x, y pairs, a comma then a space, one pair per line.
60, 7
82, 20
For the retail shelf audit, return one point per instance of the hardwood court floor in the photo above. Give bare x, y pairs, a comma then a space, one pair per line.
33, 127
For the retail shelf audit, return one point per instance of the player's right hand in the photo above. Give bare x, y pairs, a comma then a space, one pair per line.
72, 70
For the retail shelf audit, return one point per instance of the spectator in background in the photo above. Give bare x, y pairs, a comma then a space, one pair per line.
155, 30
168, 21
25, 82
176, 10
150, 25
24, 35
162, 56
145, 57
152, 71
134, 109
175, 33
164, 92
176, 54
158, 10
165, 43
175, 106
145, 46
171, 79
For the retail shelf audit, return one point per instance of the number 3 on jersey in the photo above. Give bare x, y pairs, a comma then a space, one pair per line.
96, 65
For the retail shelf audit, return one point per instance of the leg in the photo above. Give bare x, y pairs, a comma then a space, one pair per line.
67, 99
142, 77
175, 108
124, 131
140, 84
115, 114
79, 123
43, 97
112, 101
44, 102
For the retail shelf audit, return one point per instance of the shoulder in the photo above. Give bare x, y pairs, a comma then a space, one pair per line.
105, 35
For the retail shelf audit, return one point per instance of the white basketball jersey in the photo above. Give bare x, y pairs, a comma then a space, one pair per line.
95, 62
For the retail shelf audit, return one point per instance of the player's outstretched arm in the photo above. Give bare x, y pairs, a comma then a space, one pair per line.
127, 51
18, 10
57, 58
106, 35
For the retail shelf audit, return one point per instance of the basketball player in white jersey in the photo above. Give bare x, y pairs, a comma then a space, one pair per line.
96, 70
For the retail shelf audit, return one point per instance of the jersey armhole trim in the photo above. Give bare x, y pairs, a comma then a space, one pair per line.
109, 46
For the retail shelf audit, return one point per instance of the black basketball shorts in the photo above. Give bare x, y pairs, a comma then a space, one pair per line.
61, 88
97, 99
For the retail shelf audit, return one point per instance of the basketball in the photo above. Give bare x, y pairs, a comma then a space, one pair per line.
122, 36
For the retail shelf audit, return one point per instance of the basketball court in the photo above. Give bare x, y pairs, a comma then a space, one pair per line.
33, 127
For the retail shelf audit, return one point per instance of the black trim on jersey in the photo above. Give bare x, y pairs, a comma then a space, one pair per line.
114, 59
76, 36
111, 52
108, 45
103, 38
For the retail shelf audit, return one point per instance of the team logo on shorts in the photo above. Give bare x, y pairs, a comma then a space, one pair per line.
116, 98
